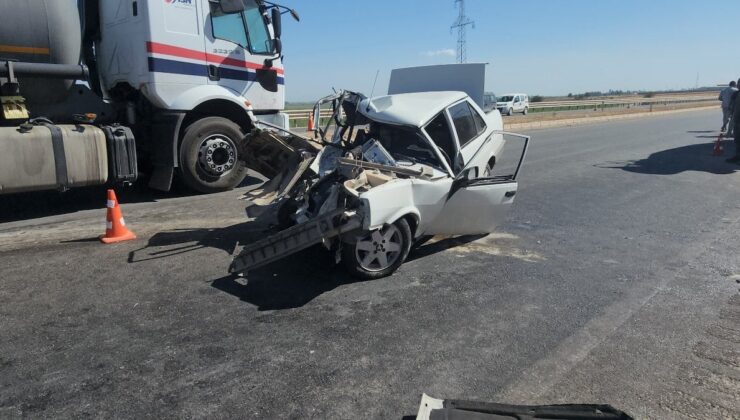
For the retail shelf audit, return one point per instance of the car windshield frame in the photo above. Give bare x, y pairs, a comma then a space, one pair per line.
507, 98
448, 165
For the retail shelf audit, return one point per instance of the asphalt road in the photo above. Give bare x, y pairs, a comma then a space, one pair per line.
614, 281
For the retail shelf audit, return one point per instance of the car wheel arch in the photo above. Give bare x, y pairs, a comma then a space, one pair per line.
411, 214
413, 221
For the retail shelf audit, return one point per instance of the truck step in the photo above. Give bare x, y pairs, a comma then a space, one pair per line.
294, 239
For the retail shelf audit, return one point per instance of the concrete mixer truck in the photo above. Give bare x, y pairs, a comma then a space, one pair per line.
98, 91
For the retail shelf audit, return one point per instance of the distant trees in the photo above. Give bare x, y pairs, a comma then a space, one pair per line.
596, 94
536, 98
587, 95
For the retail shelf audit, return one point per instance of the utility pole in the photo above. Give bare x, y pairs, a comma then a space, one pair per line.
461, 24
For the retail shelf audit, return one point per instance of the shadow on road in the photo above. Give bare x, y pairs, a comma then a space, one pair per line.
289, 283
692, 157
294, 282
24, 206
442, 245
180, 241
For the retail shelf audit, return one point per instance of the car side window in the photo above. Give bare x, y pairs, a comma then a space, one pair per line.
441, 135
480, 123
229, 27
462, 118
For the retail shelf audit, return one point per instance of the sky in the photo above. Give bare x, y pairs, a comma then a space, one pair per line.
539, 47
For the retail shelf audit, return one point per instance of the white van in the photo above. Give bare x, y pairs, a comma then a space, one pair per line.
513, 102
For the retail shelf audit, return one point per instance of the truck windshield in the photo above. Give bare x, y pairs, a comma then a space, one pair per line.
260, 41
248, 28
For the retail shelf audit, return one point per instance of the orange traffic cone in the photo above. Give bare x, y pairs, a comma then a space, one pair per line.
310, 122
718, 146
115, 229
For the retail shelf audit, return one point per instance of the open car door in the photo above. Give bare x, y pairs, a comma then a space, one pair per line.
476, 205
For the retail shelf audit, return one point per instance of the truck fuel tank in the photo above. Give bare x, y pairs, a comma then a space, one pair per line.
43, 157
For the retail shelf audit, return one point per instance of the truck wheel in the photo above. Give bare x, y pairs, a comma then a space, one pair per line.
526, 111
208, 155
379, 253
510, 111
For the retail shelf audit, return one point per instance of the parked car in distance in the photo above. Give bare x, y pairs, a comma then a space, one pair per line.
513, 102
489, 102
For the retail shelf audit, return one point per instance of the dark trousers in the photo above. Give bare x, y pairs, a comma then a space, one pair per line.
736, 131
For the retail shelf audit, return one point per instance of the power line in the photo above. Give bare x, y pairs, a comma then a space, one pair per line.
461, 24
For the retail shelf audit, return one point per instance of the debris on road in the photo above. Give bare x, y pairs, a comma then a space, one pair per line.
433, 409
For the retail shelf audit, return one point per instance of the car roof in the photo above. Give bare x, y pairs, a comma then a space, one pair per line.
409, 108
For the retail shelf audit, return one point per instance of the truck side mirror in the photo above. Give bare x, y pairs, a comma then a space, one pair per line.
277, 22
231, 6
278, 45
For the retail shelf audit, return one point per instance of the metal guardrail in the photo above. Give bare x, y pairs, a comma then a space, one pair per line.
299, 117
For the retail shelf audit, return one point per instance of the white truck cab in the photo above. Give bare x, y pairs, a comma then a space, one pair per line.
181, 53
185, 79
510, 103
205, 66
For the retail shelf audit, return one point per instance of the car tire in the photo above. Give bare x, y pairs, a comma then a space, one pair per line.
510, 112
369, 258
208, 155
526, 111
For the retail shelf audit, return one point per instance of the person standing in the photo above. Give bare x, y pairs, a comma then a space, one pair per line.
726, 97
731, 125
735, 105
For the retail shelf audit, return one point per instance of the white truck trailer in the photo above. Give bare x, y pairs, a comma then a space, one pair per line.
96, 91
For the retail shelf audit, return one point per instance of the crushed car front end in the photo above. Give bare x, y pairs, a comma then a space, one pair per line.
379, 174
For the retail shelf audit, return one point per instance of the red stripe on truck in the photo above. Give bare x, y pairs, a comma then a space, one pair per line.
157, 48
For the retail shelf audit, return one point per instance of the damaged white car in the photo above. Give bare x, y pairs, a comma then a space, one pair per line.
396, 170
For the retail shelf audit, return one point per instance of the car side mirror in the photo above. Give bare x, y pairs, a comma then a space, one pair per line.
469, 174
231, 6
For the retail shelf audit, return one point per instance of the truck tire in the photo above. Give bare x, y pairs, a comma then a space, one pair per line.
510, 112
208, 155
371, 256
526, 110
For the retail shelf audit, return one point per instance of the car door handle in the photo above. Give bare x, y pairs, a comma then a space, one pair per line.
510, 194
213, 72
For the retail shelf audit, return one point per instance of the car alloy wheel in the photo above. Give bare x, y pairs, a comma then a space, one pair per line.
379, 249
